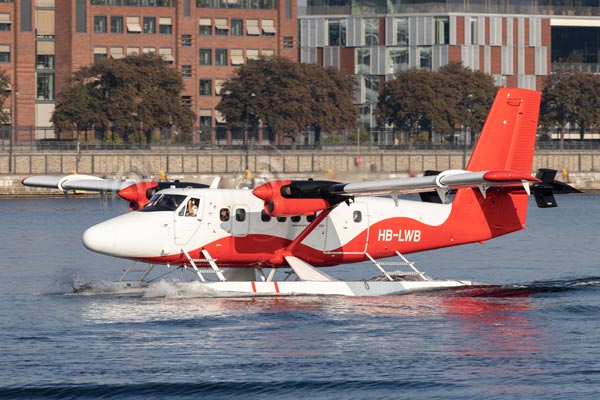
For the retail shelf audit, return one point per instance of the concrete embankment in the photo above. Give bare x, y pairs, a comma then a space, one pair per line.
580, 168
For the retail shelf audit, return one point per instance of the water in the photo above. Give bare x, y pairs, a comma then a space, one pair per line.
534, 336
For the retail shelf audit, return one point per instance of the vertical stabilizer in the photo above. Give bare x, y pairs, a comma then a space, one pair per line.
507, 140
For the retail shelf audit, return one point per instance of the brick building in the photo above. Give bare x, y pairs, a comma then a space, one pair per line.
42, 42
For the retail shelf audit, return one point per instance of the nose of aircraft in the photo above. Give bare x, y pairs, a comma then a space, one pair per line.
100, 238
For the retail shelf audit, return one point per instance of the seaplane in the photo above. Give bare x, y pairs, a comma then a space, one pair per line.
279, 238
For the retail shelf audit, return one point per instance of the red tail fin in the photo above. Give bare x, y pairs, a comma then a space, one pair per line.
507, 140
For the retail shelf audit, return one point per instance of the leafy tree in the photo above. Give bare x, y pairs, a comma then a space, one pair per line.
471, 92
132, 95
558, 106
411, 102
332, 94
288, 97
4, 94
437, 101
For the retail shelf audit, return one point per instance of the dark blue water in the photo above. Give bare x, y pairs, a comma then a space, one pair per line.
534, 336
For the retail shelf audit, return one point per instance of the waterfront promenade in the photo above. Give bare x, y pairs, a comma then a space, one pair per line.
580, 167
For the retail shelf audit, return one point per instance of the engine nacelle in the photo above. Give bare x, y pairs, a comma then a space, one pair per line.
289, 198
137, 194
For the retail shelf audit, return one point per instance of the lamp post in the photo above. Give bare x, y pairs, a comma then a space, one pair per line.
247, 135
11, 137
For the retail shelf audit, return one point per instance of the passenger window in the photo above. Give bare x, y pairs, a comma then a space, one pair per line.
295, 218
310, 218
281, 219
264, 217
224, 214
357, 216
240, 214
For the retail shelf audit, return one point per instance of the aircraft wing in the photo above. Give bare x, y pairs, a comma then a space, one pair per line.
289, 197
446, 180
76, 182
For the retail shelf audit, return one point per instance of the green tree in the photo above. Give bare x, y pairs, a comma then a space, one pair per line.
5, 84
132, 95
559, 102
288, 97
411, 102
332, 94
471, 94
419, 99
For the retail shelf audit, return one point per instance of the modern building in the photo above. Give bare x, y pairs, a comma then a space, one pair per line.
42, 42
518, 42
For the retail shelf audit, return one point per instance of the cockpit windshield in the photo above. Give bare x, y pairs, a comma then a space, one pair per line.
164, 202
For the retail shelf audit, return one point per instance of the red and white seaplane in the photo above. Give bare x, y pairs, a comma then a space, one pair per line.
243, 237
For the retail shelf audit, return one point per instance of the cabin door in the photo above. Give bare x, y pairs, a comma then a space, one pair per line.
344, 226
188, 219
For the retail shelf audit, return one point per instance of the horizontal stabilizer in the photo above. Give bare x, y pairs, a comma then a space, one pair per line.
545, 190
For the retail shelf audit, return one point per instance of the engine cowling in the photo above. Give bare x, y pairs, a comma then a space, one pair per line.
137, 194
289, 198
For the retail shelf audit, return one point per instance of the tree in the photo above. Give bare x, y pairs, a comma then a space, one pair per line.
472, 94
332, 94
288, 97
132, 95
419, 99
411, 102
558, 106
5, 116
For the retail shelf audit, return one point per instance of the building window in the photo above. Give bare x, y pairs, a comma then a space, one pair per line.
167, 54
237, 27
288, 42
44, 61
149, 25
186, 101
221, 57
425, 57
205, 57
237, 56
116, 24
100, 53
221, 27
165, 25
268, 28
99, 24
205, 122
5, 22
371, 31
337, 32
442, 30
219, 86
45, 86
205, 27
363, 60
205, 87
4, 54
401, 26
473, 30
133, 25
186, 71
186, 40
398, 59
252, 27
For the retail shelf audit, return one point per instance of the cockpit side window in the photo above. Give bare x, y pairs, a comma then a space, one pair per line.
191, 208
